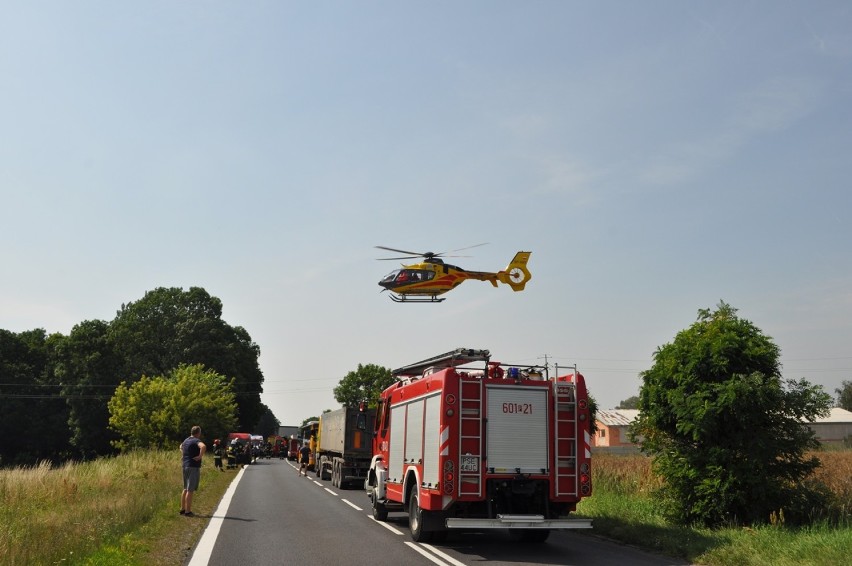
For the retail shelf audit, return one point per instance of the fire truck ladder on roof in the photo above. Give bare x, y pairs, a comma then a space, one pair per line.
470, 439
457, 357
567, 439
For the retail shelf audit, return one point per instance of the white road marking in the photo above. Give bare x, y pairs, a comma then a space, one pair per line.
444, 555
420, 549
385, 525
201, 554
438, 557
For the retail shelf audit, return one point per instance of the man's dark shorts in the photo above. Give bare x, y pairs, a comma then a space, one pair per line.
191, 477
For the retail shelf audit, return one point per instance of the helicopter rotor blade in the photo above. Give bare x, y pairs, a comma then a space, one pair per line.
427, 255
468, 247
444, 254
414, 254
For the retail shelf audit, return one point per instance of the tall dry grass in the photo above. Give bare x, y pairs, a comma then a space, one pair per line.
632, 475
836, 474
52, 515
621, 508
623, 474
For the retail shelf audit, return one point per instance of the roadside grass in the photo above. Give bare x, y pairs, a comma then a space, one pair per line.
112, 511
622, 509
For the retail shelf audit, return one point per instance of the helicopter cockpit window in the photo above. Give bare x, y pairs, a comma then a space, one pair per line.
407, 276
414, 275
391, 276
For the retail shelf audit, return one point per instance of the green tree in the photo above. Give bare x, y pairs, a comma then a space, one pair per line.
364, 384
268, 424
725, 432
88, 369
844, 395
629, 403
160, 411
32, 411
169, 327
593, 415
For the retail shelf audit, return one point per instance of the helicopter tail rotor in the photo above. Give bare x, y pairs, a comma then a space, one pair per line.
516, 274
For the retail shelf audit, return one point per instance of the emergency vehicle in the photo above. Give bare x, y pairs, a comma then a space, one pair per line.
293, 448
461, 442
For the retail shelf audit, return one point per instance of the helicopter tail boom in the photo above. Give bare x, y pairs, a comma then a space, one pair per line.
516, 274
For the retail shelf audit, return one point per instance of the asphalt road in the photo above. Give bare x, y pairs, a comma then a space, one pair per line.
272, 516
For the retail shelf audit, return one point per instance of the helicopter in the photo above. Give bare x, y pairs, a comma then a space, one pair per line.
423, 282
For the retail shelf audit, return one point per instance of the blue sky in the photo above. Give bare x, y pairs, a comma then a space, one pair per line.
656, 158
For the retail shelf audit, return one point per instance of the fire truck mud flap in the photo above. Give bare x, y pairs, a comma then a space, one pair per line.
518, 522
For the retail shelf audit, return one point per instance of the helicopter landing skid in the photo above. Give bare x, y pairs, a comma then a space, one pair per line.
416, 299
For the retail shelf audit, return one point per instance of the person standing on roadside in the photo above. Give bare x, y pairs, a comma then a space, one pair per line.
304, 458
217, 455
192, 450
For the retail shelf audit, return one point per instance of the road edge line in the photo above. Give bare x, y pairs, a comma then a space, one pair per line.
204, 549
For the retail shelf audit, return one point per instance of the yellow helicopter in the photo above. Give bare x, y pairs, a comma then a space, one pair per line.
423, 282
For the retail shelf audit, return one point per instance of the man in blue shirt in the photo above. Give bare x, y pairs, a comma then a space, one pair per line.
192, 450
304, 458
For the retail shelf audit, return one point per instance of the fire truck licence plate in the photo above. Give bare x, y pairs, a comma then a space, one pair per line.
469, 464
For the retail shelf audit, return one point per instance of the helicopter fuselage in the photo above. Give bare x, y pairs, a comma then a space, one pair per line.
432, 277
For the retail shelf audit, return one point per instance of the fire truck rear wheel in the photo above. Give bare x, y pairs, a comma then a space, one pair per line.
415, 521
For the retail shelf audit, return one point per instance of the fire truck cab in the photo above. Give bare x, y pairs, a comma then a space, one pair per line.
462, 442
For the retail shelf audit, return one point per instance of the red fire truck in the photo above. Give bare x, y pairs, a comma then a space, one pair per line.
463, 443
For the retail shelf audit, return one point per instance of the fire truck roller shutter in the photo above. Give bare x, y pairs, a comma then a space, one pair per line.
517, 434
397, 443
414, 433
431, 441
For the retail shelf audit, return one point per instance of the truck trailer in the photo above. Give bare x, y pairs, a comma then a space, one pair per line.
344, 445
287, 431
462, 442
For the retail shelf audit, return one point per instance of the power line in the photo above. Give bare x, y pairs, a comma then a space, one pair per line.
100, 397
56, 385
72, 385
62, 397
